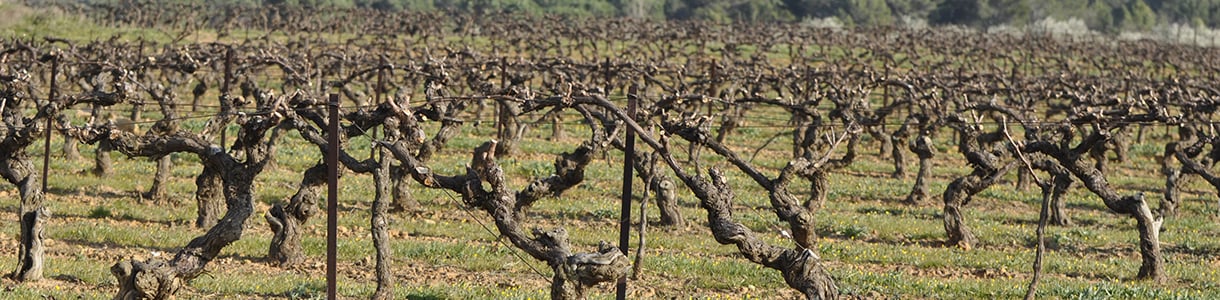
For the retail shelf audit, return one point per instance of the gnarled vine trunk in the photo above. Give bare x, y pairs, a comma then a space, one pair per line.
16, 168
663, 188
378, 225
922, 147
919, 191
1058, 207
165, 166
667, 201
208, 197
70, 150
401, 191
508, 128
899, 157
574, 273
236, 184
958, 194
1147, 224
287, 222
102, 164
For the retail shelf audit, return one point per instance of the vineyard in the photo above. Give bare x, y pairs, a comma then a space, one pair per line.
179, 151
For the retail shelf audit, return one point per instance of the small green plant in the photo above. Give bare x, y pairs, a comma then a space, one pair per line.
1054, 241
305, 291
1148, 150
424, 297
128, 217
604, 213
100, 212
853, 231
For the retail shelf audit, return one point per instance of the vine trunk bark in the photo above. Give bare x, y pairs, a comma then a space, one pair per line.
287, 222
209, 195
165, 166
19, 170
378, 225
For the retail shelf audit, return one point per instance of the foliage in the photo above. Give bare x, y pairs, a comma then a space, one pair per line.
1107, 16
1138, 16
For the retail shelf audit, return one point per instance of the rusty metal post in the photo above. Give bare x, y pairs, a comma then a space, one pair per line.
226, 100
377, 99
46, 151
624, 233
332, 194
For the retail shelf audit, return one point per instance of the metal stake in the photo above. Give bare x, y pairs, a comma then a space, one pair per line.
332, 193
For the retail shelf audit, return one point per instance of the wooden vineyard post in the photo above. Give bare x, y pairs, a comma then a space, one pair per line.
332, 193
377, 99
624, 237
46, 150
224, 93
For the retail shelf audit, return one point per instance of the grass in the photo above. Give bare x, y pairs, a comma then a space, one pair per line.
872, 244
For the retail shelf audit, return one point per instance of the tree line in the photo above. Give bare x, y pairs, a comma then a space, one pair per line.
1106, 16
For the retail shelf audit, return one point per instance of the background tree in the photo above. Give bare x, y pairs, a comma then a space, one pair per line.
868, 12
1138, 16
917, 9
964, 12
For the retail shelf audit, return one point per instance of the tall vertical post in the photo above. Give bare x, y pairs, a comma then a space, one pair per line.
51, 95
624, 236
377, 91
503, 90
885, 93
332, 194
226, 100
608, 76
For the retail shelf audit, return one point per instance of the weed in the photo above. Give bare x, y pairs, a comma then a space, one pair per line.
305, 291
100, 212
